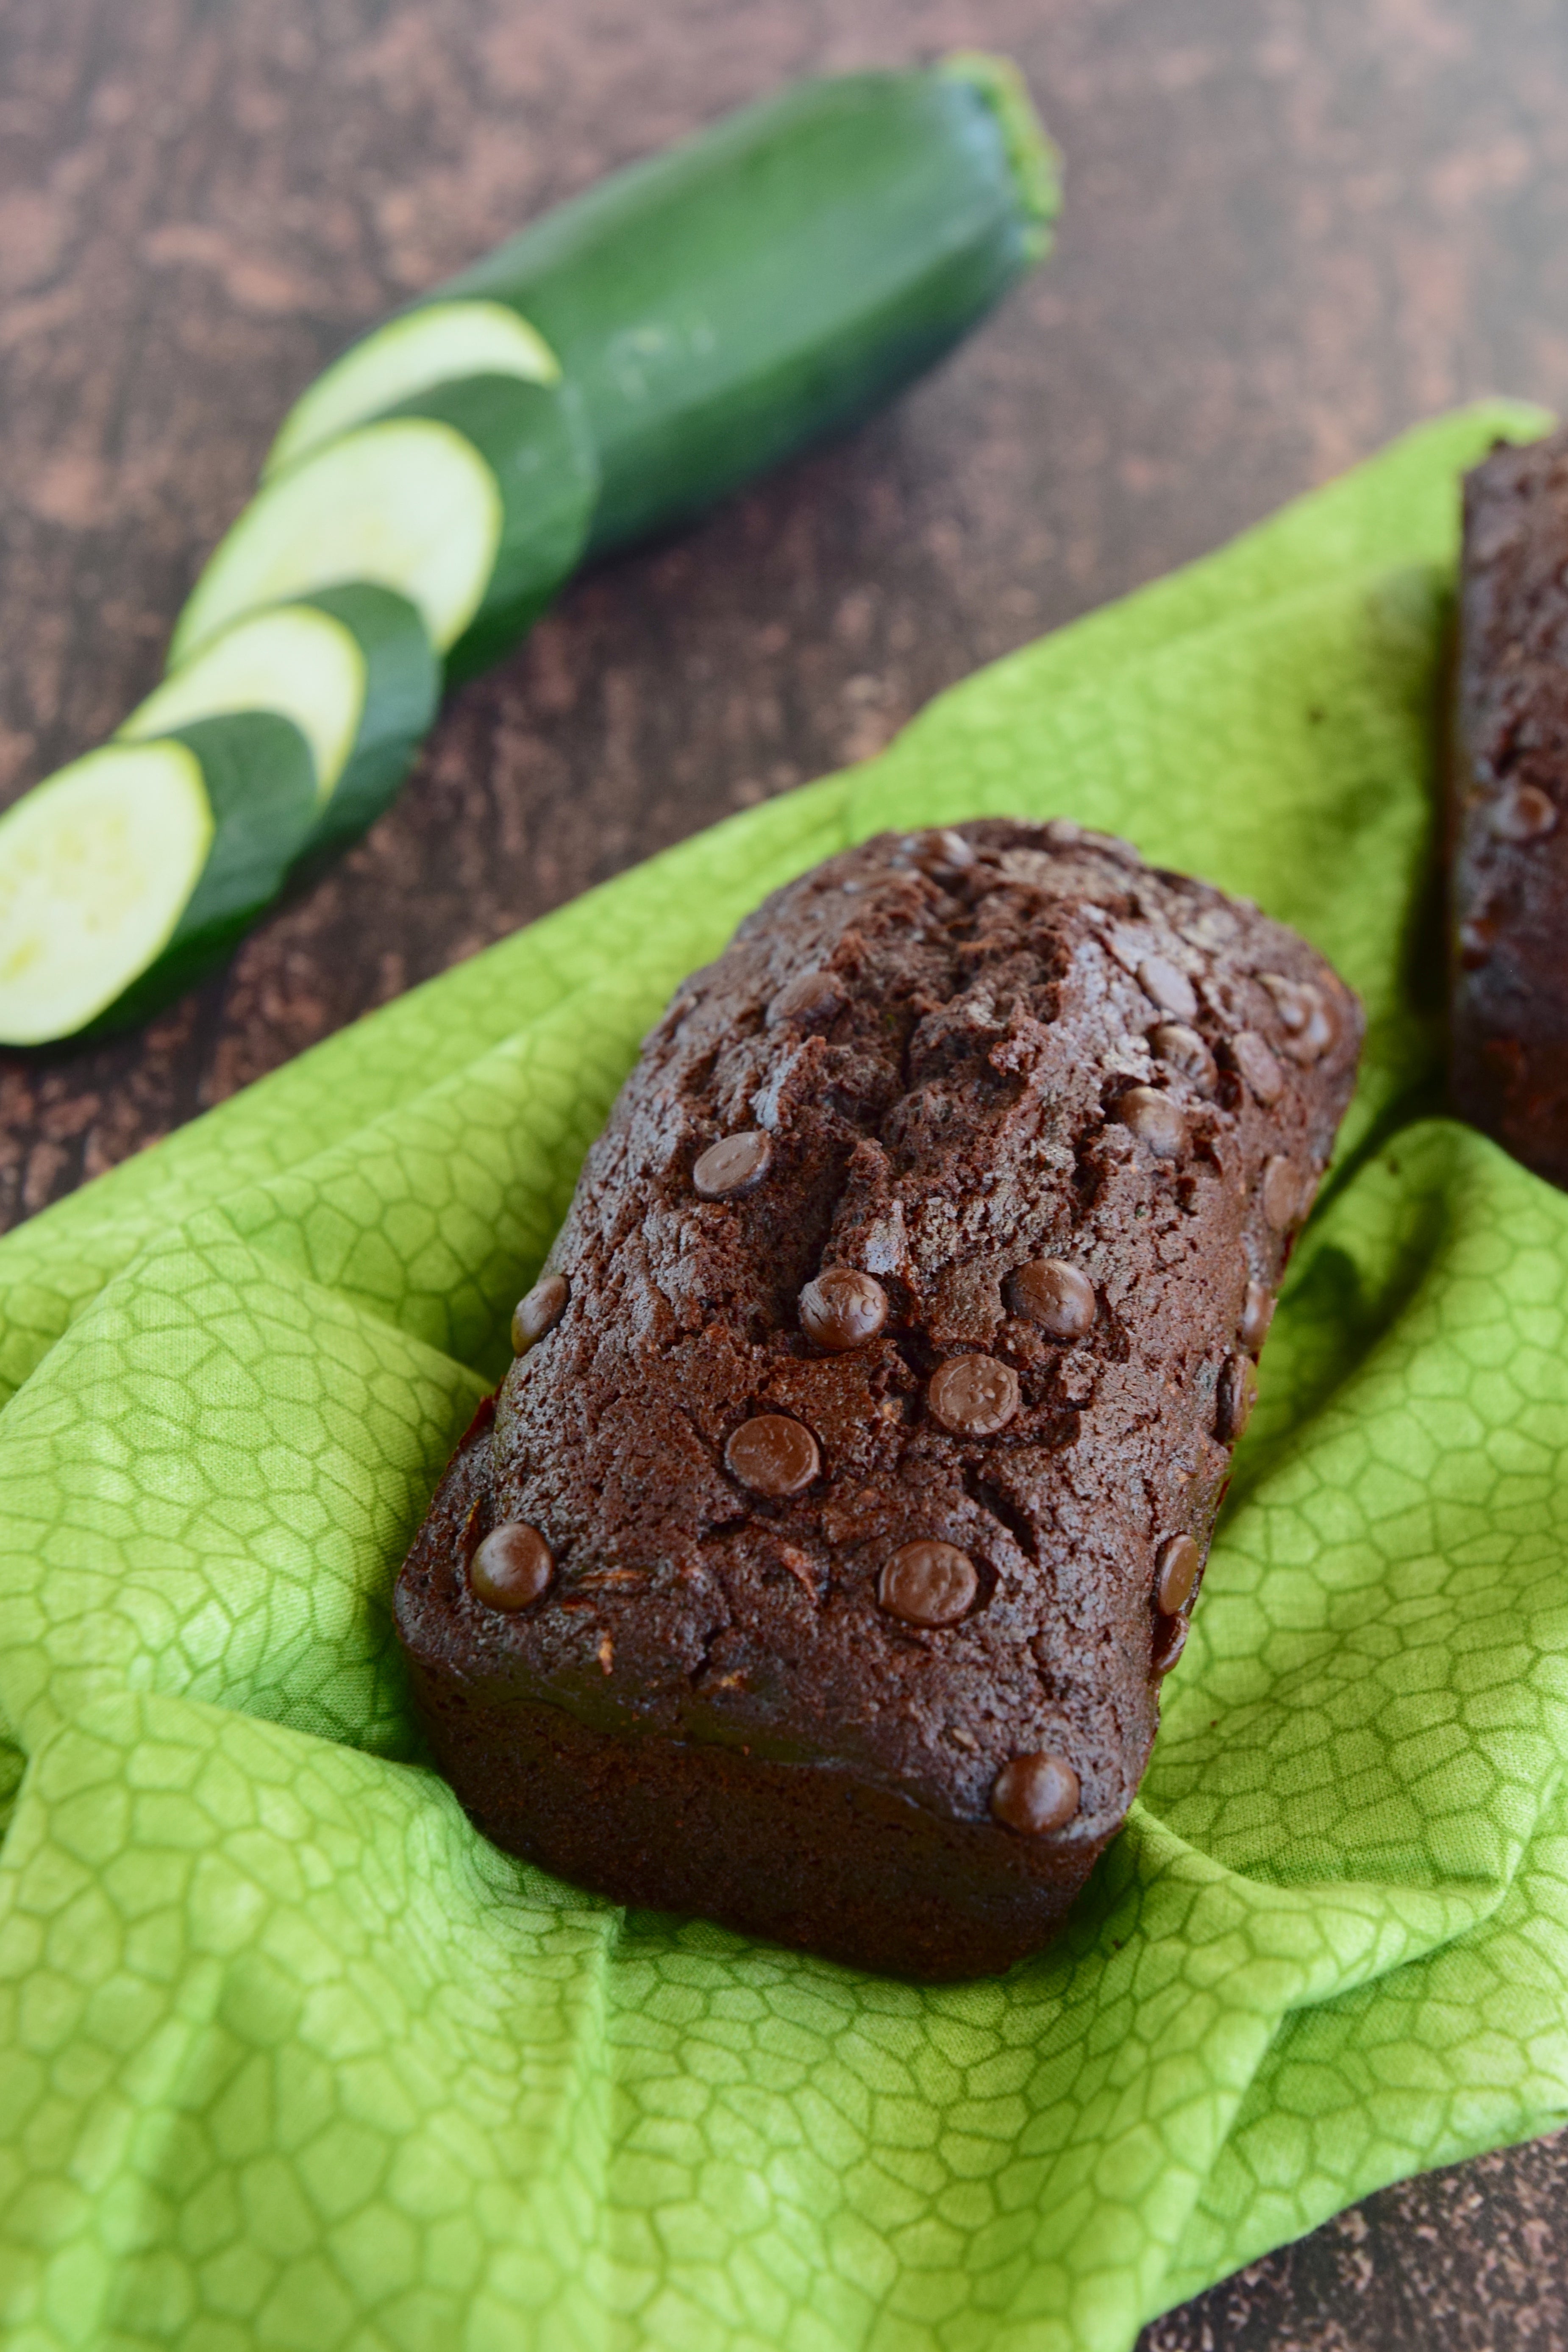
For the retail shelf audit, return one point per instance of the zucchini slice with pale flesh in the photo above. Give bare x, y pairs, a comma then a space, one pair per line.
434, 344
471, 499
293, 658
352, 666
407, 504
124, 877
96, 865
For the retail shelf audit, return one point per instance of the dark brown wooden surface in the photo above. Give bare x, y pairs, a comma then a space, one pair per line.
1293, 227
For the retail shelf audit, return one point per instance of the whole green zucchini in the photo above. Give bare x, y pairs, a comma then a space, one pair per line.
719, 306
619, 365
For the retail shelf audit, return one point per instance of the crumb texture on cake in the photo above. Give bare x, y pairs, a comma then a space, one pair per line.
1506, 797
884, 1385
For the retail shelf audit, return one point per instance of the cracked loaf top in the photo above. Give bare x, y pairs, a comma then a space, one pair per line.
879, 1393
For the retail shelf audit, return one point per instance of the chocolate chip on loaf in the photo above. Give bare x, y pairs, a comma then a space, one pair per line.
1251, 1056
811, 1000
1180, 1048
1169, 1640
1177, 1573
916, 1286
732, 1165
772, 1455
1257, 1314
928, 1583
1237, 1393
1059, 1297
513, 1565
1036, 1793
1281, 1193
538, 1311
842, 1309
973, 1396
1154, 1120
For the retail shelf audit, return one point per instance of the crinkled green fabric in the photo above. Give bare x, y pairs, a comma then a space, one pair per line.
294, 2060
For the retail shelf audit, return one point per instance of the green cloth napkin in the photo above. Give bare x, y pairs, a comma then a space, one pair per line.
293, 2060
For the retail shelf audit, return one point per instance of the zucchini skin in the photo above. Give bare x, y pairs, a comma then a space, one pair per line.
401, 696
771, 280
535, 440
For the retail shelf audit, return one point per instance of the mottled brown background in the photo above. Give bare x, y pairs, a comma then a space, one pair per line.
1293, 227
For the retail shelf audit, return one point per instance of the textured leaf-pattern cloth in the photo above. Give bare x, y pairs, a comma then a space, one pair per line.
291, 2059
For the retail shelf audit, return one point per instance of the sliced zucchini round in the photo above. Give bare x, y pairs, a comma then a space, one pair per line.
409, 504
431, 345
352, 666
535, 441
125, 874
96, 865
260, 787
295, 658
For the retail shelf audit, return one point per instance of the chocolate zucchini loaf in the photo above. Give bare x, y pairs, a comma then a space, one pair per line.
818, 1563
1508, 793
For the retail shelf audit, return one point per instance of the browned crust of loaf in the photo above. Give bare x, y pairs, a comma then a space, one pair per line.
684, 1828
1509, 897
670, 1825
710, 1709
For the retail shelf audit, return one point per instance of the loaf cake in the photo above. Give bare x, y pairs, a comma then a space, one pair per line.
1508, 791
818, 1563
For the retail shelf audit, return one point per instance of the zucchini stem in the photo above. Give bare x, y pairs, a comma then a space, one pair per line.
1033, 157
